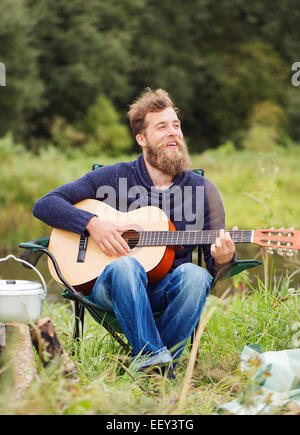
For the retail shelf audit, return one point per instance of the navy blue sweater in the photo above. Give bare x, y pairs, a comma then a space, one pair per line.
192, 202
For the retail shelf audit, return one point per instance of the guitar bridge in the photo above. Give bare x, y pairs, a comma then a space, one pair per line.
83, 242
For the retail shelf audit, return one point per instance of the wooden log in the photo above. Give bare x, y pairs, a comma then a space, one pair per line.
47, 344
19, 358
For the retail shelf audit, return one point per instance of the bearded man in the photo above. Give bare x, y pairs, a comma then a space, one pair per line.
123, 286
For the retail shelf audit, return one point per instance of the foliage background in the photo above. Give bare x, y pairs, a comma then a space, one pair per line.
219, 61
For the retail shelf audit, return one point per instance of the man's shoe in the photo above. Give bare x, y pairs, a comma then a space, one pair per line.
168, 372
163, 370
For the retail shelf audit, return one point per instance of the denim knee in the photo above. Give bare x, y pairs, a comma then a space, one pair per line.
125, 270
120, 277
193, 278
125, 265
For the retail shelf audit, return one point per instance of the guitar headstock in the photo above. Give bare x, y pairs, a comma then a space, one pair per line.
284, 241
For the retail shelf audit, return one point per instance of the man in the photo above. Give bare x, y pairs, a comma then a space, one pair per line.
123, 287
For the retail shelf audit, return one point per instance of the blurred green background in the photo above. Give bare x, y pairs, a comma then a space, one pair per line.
72, 69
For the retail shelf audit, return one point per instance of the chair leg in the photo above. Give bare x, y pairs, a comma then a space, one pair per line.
114, 334
193, 336
79, 316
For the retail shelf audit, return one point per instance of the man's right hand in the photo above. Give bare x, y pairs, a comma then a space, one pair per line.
108, 237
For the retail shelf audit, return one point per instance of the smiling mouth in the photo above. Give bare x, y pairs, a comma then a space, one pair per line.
172, 145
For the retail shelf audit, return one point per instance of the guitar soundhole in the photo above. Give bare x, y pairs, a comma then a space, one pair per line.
132, 237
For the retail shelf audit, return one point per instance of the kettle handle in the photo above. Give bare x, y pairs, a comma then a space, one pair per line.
44, 295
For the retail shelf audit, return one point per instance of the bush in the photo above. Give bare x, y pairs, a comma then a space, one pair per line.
260, 138
268, 114
266, 120
104, 131
292, 114
65, 135
8, 148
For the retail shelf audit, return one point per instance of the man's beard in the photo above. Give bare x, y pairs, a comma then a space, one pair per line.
169, 161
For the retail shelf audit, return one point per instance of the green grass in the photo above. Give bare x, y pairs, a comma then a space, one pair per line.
253, 316
258, 189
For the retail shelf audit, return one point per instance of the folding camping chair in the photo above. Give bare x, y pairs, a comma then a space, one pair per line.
36, 248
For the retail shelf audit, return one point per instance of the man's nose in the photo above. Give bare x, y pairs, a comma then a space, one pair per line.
172, 131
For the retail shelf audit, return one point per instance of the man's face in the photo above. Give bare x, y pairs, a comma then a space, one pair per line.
163, 143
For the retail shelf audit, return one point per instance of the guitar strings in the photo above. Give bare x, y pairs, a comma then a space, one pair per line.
161, 238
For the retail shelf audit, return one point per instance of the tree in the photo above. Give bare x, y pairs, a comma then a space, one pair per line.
84, 50
23, 93
216, 59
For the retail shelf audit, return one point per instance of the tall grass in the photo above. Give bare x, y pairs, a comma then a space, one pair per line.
258, 315
259, 190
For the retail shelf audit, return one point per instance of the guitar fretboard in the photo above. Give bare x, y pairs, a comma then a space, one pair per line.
177, 238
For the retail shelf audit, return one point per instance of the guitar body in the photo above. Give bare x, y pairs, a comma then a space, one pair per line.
151, 237
64, 245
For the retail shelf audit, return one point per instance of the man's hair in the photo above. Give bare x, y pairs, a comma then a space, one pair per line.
148, 101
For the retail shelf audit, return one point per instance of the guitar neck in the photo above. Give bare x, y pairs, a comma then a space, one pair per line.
177, 238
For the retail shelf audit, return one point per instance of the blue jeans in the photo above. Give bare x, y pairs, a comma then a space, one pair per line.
123, 288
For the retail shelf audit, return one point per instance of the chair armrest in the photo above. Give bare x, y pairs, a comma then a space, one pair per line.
231, 269
36, 245
239, 266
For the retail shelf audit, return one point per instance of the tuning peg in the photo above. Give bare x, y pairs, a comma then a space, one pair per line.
280, 251
290, 253
270, 251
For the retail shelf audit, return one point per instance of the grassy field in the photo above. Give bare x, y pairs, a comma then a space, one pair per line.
244, 317
258, 190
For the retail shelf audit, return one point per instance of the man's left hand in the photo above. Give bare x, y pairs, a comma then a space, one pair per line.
223, 249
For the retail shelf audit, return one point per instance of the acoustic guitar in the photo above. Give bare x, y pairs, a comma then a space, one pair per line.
152, 239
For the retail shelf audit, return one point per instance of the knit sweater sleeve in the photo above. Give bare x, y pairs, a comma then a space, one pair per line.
56, 208
214, 219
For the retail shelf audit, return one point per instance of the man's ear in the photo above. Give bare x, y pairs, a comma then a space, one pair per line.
141, 140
